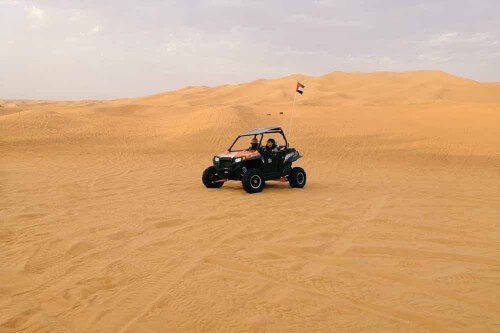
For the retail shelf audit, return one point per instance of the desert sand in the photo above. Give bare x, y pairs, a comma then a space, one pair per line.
105, 225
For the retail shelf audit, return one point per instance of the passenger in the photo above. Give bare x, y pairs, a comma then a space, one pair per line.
254, 144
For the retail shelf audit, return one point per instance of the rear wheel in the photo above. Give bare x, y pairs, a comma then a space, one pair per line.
297, 178
253, 181
209, 178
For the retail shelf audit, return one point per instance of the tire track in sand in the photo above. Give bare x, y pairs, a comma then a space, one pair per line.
180, 272
344, 301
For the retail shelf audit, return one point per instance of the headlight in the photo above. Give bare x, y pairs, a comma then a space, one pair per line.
216, 159
237, 160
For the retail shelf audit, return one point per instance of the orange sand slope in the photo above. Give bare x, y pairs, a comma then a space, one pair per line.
106, 227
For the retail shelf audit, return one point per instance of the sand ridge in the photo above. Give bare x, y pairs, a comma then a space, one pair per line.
106, 227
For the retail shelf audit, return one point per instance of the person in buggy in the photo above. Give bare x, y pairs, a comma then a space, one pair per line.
254, 144
268, 149
271, 145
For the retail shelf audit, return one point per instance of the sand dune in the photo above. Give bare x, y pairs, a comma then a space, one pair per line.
106, 227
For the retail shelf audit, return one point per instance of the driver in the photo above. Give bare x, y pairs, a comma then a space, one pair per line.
270, 147
254, 144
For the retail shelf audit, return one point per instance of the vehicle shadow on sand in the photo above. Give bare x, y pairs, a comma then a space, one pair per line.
271, 186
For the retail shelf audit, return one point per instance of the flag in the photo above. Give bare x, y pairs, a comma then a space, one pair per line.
300, 88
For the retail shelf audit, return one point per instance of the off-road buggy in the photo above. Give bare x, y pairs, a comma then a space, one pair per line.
255, 165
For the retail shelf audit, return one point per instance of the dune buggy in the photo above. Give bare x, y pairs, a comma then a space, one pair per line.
255, 165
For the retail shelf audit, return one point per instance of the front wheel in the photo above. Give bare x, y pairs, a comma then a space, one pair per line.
209, 178
253, 181
297, 178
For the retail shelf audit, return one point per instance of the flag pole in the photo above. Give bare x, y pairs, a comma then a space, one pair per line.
293, 108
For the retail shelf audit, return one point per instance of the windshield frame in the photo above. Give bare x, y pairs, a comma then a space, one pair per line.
236, 140
261, 135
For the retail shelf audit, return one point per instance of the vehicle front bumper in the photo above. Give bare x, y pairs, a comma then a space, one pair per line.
227, 169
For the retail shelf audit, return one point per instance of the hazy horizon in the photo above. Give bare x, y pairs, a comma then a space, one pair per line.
241, 83
57, 50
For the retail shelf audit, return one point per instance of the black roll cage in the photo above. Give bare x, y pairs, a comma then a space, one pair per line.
261, 133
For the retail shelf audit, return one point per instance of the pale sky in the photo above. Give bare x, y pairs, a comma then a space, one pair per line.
55, 49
